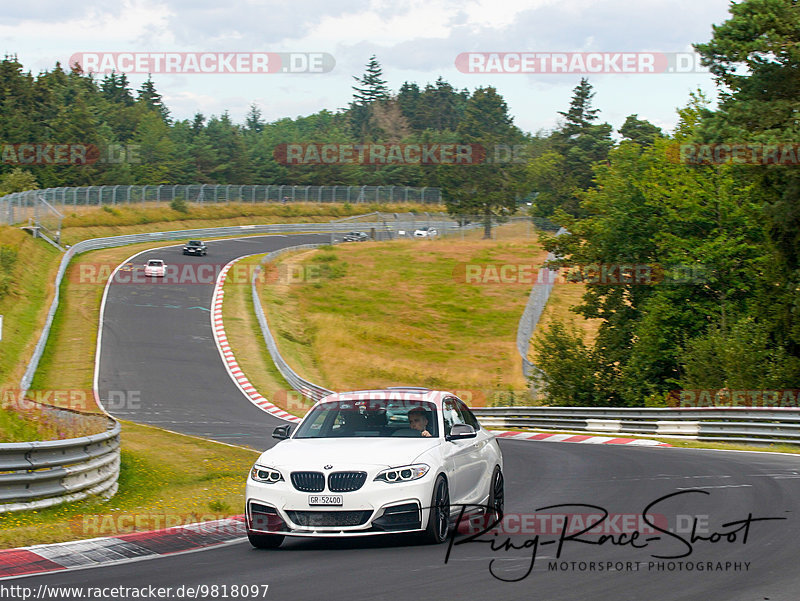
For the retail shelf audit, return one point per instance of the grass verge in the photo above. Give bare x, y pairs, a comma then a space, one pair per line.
165, 480
82, 223
401, 313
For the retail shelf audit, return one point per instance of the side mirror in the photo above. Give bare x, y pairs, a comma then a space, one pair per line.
282, 432
461, 432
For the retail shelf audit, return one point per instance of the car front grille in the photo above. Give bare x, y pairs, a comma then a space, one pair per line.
346, 481
329, 518
308, 481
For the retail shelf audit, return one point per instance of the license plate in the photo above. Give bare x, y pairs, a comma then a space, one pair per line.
324, 499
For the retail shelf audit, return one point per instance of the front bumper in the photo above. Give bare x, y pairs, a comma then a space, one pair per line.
376, 508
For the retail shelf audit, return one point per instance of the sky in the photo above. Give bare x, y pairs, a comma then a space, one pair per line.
416, 41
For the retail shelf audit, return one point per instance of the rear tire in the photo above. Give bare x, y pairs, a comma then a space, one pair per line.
265, 541
439, 518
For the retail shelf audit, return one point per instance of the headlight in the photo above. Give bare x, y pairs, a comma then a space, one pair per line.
406, 473
267, 475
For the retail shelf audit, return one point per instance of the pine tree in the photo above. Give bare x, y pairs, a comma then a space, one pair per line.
484, 188
580, 114
148, 94
561, 174
253, 122
117, 89
640, 131
372, 88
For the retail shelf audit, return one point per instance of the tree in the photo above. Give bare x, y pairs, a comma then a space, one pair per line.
116, 88
152, 99
580, 114
484, 188
755, 57
562, 174
17, 180
640, 131
253, 122
371, 89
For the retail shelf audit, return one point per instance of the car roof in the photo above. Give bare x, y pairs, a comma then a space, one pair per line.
408, 393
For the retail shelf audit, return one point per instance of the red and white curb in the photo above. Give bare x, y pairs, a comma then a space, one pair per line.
578, 438
228, 358
124, 548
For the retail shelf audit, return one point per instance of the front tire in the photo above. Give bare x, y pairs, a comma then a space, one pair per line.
439, 518
497, 496
265, 541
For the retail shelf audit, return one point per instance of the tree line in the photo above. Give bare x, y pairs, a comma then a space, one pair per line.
720, 241
733, 324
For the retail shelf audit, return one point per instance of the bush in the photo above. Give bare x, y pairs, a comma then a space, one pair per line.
8, 257
741, 358
567, 369
180, 205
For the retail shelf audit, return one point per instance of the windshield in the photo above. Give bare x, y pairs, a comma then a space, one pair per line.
371, 418
155, 262
195, 243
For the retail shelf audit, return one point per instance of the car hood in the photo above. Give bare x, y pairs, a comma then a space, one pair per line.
313, 454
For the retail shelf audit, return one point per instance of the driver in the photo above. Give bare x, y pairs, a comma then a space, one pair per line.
418, 420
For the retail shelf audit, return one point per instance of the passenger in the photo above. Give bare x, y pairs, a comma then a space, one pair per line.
418, 420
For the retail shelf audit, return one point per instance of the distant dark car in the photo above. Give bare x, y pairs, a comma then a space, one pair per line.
356, 237
195, 247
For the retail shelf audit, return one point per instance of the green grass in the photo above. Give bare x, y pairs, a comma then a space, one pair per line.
24, 306
82, 223
379, 314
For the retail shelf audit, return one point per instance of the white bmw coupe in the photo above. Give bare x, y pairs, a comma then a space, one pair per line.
375, 462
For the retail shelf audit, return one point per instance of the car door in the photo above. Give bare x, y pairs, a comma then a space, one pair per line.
457, 454
482, 457
475, 458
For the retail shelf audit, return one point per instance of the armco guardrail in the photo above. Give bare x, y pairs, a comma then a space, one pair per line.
35, 475
727, 424
533, 311
306, 388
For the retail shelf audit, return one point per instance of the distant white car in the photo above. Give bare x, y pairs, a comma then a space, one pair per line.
375, 462
155, 268
425, 232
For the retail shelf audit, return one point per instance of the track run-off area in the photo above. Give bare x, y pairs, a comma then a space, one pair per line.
707, 538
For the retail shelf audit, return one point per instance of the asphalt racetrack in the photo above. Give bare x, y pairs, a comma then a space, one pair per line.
711, 543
